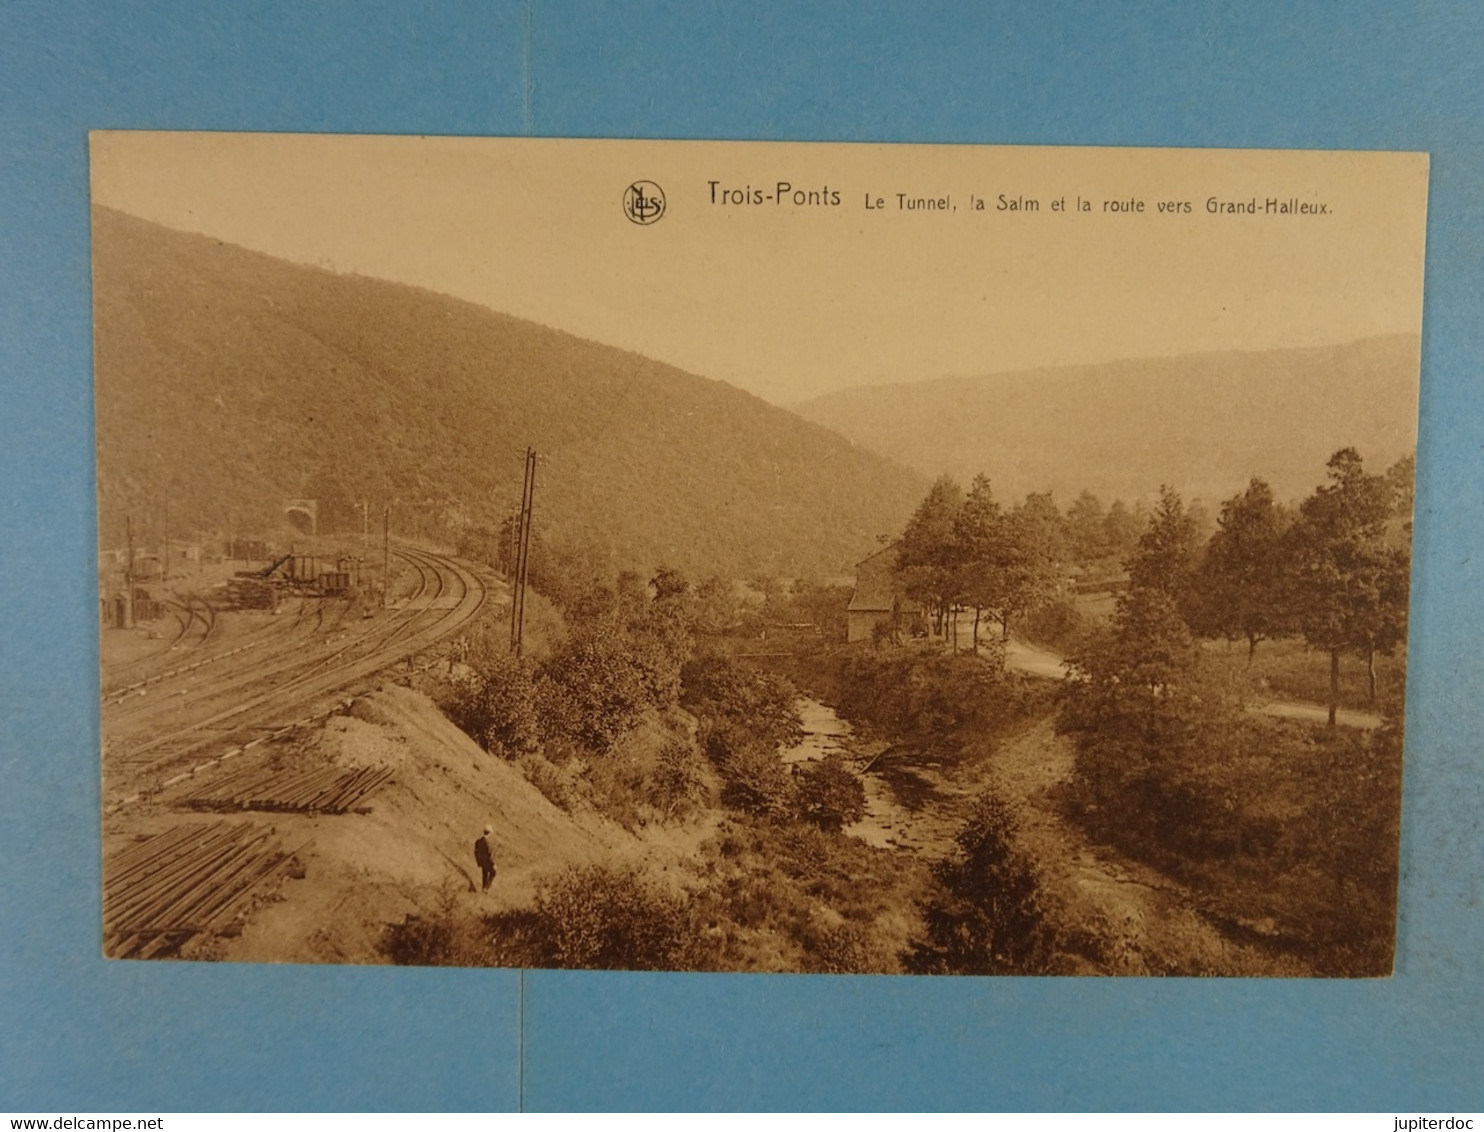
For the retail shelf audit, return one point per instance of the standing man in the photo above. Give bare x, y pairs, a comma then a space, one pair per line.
486, 858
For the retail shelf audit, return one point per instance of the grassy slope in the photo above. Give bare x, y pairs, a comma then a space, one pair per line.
229, 381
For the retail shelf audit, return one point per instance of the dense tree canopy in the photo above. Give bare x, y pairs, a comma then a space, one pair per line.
1240, 582
928, 557
1348, 581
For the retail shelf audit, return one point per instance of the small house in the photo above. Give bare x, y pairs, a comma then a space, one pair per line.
877, 601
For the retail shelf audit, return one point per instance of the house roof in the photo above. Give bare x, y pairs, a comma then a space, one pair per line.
875, 589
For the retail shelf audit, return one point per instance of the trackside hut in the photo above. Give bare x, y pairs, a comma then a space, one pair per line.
876, 600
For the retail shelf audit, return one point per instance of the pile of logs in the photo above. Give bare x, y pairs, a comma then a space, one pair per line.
191, 879
252, 593
328, 790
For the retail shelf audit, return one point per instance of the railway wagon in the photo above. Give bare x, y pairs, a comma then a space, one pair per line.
334, 583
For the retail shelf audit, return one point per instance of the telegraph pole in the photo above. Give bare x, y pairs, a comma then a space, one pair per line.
129, 574
518, 591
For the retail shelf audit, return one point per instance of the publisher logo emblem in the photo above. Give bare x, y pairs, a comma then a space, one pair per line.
644, 202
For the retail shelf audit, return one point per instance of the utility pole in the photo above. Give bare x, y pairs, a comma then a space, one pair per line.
522, 562
129, 574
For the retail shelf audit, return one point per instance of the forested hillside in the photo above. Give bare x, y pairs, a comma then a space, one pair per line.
229, 381
1205, 423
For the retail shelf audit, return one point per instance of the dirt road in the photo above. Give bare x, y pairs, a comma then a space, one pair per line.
1036, 661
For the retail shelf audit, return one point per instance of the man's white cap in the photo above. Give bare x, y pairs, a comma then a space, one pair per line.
489, 829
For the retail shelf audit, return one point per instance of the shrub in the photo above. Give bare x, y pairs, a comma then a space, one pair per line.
495, 703
604, 918
676, 786
594, 687
844, 949
1057, 624
755, 781
442, 938
829, 795
903, 692
716, 687
555, 783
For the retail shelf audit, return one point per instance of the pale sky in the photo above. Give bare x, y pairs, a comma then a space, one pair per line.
792, 300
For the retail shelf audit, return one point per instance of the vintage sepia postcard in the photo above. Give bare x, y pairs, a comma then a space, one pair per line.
753, 557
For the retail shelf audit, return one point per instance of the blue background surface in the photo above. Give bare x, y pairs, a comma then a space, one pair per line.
78, 1034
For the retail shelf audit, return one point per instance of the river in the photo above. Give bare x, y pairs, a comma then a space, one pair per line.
825, 733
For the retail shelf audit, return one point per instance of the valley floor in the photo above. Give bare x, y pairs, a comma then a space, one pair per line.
411, 854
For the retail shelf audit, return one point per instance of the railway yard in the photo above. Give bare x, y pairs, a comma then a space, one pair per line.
214, 791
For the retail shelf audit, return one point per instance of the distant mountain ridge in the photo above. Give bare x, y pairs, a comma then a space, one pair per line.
1203, 423
228, 381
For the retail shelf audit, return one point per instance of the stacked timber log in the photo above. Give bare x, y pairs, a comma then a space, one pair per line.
191, 879
328, 790
252, 592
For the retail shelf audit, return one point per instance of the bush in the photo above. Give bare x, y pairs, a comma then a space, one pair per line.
595, 687
495, 703
443, 938
676, 787
844, 949
828, 794
1058, 625
786, 896
899, 693
718, 688
556, 783
603, 918
754, 779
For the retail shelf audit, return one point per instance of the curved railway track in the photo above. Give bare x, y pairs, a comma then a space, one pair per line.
307, 619
198, 713
185, 613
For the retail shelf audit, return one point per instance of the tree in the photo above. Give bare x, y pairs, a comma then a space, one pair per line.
1401, 477
928, 559
1087, 530
595, 687
979, 532
1150, 719
822, 605
1145, 658
1168, 550
1122, 528
1241, 578
764, 704
1032, 551
495, 702
716, 608
992, 918
1348, 585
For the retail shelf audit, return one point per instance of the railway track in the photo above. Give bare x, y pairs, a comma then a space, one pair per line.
182, 882
192, 716
308, 619
160, 892
185, 613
